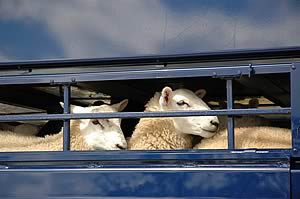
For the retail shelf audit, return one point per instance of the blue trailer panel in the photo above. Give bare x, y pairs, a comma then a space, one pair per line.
190, 182
233, 49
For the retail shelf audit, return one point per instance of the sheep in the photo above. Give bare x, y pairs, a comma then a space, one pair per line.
23, 129
20, 128
251, 131
165, 133
86, 134
245, 120
261, 137
173, 133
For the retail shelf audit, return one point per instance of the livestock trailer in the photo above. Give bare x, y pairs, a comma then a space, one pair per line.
81, 52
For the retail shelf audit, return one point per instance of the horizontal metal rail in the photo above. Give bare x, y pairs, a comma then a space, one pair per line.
27, 117
228, 55
100, 75
150, 169
140, 155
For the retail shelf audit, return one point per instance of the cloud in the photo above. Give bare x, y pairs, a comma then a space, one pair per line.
122, 28
96, 28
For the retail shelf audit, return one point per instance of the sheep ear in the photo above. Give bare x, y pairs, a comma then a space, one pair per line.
75, 109
121, 105
78, 109
166, 96
200, 93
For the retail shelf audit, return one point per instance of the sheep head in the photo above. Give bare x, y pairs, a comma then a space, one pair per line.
186, 100
104, 134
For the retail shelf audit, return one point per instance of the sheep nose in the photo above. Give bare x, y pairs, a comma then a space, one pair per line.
120, 147
216, 124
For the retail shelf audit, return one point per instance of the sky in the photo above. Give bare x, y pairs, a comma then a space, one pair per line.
56, 29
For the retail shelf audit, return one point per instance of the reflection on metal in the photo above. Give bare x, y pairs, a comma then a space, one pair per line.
146, 184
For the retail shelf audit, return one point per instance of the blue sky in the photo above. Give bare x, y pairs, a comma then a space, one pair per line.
46, 29
19, 39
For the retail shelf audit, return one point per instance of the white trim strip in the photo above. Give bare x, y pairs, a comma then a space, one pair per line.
146, 169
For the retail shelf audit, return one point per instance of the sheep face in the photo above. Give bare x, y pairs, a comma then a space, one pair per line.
185, 100
102, 134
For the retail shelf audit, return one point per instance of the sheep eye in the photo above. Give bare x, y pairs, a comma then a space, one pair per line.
96, 122
182, 103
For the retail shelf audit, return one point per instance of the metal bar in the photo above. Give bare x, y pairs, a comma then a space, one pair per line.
128, 155
27, 117
151, 169
101, 75
66, 139
232, 55
230, 119
295, 116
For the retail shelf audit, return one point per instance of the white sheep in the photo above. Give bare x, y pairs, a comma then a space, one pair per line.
250, 131
244, 120
85, 134
26, 129
173, 133
261, 137
22, 128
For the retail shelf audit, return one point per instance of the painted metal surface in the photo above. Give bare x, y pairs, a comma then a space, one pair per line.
83, 74
66, 129
205, 156
146, 182
230, 119
295, 182
295, 105
252, 55
31, 31
148, 174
